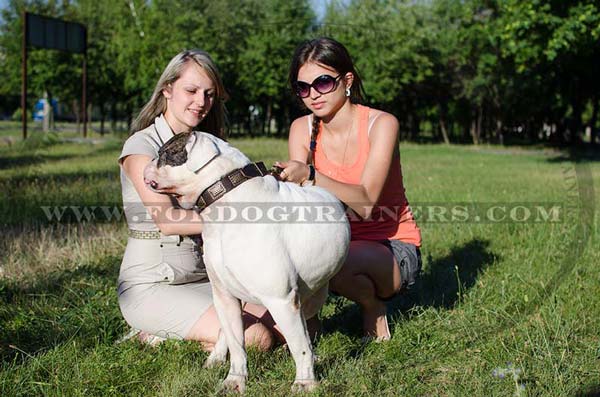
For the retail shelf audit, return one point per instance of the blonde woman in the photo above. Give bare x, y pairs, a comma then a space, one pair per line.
163, 288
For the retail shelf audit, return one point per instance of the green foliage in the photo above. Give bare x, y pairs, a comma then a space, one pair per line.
18, 114
475, 70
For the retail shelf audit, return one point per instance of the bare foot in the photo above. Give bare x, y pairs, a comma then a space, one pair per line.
375, 324
207, 346
149, 339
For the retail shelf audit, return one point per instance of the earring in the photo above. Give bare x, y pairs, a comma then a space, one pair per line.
347, 91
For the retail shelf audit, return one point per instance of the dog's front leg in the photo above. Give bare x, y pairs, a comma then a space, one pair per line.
219, 353
288, 315
229, 311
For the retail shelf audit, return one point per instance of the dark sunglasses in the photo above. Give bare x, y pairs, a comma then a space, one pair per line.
323, 84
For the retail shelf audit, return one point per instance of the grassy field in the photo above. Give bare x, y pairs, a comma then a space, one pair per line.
503, 308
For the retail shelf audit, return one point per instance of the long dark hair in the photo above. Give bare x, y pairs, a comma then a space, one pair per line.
328, 52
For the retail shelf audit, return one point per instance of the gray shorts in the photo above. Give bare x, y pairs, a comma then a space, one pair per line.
163, 288
408, 257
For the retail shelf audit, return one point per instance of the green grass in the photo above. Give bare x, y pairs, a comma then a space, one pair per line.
491, 293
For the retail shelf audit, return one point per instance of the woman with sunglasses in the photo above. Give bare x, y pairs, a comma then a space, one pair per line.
163, 288
352, 151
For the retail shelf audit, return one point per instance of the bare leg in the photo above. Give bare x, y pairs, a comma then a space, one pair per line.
261, 313
206, 331
369, 273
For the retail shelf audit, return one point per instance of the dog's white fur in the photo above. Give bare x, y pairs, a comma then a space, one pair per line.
282, 265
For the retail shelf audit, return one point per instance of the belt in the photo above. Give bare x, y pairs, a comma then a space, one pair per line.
156, 235
145, 234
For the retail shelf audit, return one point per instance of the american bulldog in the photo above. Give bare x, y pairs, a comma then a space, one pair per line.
282, 261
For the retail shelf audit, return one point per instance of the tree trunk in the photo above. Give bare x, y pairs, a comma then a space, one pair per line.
576, 123
444, 131
88, 116
476, 127
414, 127
129, 116
499, 134
479, 123
77, 115
261, 117
442, 121
46, 112
113, 116
268, 116
249, 128
102, 117
594, 130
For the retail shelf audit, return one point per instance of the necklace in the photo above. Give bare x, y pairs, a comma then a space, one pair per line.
350, 131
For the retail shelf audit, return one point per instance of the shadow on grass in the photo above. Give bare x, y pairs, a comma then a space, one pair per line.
32, 158
441, 285
578, 154
61, 179
589, 391
29, 197
19, 161
78, 304
447, 278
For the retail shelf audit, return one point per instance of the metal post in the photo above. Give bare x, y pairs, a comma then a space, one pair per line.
24, 77
84, 94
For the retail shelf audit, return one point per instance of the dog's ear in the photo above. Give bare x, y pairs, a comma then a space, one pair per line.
200, 151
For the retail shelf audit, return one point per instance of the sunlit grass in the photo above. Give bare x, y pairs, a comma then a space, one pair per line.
486, 297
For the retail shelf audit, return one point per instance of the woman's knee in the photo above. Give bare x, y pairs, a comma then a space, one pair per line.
207, 330
259, 336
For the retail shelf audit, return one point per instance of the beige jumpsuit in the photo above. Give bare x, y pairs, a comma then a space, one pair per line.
163, 287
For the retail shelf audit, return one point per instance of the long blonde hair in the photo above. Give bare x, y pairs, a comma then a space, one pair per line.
215, 120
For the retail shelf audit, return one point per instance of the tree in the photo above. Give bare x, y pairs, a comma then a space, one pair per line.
558, 40
48, 70
264, 61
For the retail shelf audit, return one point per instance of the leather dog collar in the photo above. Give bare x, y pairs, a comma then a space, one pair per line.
229, 182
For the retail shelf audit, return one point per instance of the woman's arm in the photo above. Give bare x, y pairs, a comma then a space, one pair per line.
168, 219
361, 198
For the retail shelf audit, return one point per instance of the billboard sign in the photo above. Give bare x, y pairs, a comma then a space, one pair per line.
56, 34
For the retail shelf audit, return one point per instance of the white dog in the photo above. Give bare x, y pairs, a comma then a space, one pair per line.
279, 247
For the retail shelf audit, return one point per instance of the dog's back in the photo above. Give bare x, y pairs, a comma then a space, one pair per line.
283, 236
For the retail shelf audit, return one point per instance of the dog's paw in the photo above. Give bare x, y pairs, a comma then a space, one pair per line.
215, 359
304, 386
234, 383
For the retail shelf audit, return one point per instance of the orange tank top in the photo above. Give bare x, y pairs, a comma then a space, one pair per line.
391, 218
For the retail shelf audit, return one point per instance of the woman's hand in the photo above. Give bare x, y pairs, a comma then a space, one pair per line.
293, 171
169, 220
361, 197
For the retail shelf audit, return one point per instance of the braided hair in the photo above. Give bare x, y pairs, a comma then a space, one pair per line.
328, 52
313, 139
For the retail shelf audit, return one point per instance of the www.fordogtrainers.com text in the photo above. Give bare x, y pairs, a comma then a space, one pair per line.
316, 213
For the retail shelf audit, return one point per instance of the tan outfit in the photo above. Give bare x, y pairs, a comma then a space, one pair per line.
163, 287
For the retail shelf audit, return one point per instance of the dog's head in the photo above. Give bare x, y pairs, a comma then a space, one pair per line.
182, 166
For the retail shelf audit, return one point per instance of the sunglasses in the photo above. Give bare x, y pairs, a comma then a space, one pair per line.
323, 84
